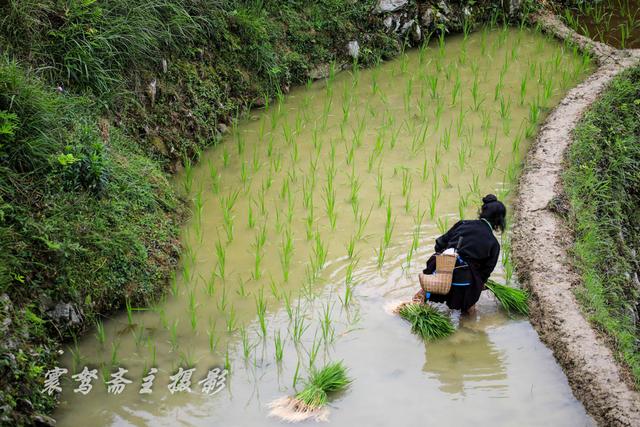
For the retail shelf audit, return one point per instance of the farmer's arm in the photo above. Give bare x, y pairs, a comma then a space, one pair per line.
442, 242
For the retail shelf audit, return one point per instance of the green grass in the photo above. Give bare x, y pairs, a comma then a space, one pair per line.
513, 300
330, 378
602, 183
426, 321
85, 218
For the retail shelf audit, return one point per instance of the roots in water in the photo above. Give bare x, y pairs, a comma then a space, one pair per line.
293, 410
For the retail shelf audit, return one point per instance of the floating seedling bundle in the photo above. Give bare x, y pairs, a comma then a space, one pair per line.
426, 320
311, 401
511, 299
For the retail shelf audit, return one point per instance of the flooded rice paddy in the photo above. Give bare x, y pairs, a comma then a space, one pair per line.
317, 212
614, 22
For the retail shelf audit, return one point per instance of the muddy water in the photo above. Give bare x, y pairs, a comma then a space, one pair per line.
362, 155
615, 22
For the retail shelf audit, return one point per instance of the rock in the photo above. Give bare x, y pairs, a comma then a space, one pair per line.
64, 313
389, 23
159, 145
514, 7
385, 6
442, 5
152, 88
427, 18
406, 26
320, 71
353, 47
222, 128
43, 420
416, 34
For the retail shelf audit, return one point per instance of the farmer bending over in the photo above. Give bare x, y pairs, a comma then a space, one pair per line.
478, 251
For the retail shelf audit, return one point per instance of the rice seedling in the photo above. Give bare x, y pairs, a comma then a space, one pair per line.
115, 345
287, 304
227, 361
462, 204
223, 301
455, 91
299, 326
261, 310
240, 142
309, 221
286, 253
379, 188
475, 95
474, 187
188, 174
325, 324
279, 346
127, 304
426, 321
460, 121
505, 108
314, 350
100, 332
443, 225
329, 198
446, 138
435, 195
192, 311
511, 299
348, 295
226, 157
247, 347
215, 177
351, 246
362, 223
309, 403
380, 254
259, 241
523, 89
273, 287
221, 256
231, 319
425, 169
355, 185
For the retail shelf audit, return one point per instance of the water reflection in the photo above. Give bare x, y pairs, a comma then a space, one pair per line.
467, 361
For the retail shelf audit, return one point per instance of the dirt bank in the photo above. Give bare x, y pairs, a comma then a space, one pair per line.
540, 245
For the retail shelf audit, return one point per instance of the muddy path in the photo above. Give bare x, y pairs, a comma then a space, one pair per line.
541, 242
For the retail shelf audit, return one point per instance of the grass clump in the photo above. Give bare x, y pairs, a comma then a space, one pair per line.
426, 321
513, 300
86, 222
601, 182
310, 402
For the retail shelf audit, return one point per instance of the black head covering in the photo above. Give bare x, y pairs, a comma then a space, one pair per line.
493, 211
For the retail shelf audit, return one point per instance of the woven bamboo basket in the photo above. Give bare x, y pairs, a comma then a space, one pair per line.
440, 281
445, 263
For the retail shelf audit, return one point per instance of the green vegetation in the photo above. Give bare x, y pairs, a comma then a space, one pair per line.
602, 184
511, 299
85, 220
172, 70
615, 22
426, 321
332, 377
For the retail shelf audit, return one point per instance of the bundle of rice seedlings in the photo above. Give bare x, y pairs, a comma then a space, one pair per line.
311, 401
426, 321
511, 299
